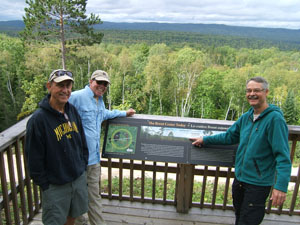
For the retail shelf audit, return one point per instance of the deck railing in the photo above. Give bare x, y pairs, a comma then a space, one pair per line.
20, 199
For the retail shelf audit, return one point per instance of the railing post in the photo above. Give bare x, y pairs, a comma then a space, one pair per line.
185, 188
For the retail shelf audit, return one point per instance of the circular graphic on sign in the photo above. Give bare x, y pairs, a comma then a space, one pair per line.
121, 139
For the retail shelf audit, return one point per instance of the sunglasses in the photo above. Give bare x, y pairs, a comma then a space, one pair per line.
67, 118
104, 83
60, 73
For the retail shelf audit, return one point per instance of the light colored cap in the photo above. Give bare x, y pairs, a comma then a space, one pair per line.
60, 75
100, 75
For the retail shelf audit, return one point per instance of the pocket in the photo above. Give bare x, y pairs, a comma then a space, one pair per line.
87, 115
47, 196
257, 168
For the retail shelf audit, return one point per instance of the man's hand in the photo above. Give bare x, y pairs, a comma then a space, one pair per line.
197, 141
278, 197
130, 112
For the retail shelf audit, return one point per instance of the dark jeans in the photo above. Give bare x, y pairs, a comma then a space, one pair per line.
249, 202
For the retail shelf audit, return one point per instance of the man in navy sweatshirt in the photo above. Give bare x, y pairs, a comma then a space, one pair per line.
57, 153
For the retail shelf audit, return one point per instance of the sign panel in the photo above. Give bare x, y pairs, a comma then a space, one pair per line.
164, 139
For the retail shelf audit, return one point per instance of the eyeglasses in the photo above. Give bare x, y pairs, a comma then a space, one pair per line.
255, 91
104, 83
60, 73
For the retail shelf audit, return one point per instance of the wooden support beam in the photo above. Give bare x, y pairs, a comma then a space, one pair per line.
185, 188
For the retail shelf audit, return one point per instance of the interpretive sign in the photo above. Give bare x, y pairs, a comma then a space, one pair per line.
165, 139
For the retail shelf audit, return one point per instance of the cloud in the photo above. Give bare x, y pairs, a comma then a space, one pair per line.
12, 10
257, 13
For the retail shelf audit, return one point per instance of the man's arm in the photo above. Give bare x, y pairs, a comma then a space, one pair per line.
110, 114
35, 154
231, 136
85, 149
278, 137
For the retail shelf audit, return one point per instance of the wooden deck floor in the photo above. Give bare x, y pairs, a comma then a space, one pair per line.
133, 213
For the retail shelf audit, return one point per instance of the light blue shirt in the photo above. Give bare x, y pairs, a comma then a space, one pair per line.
92, 113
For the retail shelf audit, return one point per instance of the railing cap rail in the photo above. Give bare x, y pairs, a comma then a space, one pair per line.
9, 136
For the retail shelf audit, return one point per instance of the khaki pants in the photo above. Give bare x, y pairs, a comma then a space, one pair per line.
95, 205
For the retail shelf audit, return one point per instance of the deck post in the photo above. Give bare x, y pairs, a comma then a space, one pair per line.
185, 188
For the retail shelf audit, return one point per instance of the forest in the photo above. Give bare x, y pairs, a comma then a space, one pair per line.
204, 78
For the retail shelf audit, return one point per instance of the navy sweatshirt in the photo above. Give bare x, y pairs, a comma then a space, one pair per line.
56, 152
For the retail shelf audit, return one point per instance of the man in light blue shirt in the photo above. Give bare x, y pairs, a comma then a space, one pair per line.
90, 106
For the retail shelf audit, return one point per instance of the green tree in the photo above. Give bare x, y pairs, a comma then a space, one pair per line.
210, 100
11, 77
289, 109
158, 79
187, 64
36, 91
63, 20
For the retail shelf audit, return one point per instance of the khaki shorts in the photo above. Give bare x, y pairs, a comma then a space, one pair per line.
61, 201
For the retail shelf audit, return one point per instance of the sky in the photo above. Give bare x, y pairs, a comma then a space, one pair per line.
251, 13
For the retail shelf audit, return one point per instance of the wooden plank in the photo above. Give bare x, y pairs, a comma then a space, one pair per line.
185, 188
120, 179
109, 178
177, 182
154, 181
36, 197
10, 135
293, 149
143, 181
118, 219
203, 186
295, 193
4, 187
21, 181
180, 199
28, 184
190, 184
165, 182
161, 168
216, 181
131, 177
145, 213
12, 178
227, 183
138, 199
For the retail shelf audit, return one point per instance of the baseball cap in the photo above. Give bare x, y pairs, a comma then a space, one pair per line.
100, 75
60, 75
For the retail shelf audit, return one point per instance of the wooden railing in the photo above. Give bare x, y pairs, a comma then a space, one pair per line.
20, 198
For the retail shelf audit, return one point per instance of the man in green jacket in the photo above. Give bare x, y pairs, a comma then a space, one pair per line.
262, 158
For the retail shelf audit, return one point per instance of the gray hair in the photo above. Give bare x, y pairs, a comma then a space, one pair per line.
260, 80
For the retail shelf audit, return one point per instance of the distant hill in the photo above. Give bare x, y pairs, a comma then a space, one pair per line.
275, 34
271, 34
13, 25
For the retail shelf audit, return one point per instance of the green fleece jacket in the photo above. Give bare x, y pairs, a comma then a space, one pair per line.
262, 157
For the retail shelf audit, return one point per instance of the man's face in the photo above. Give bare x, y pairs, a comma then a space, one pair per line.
60, 92
256, 94
98, 87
